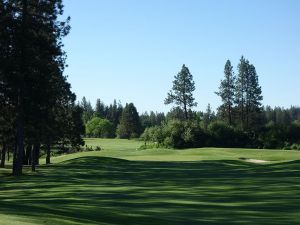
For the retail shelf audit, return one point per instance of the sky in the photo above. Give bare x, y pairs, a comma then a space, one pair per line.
130, 50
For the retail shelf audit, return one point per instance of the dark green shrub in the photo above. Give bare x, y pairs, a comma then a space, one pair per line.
293, 132
223, 135
295, 146
98, 148
273, 136
176, 134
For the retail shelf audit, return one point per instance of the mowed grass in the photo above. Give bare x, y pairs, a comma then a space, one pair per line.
129, 150
123, 185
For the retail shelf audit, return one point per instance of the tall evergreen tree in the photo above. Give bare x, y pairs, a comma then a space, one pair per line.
254, 98
248, 95
226, 92
152, 119
182, 91
88, 111
100, 110
114, 113
240, 93
130, 125
208, 116
33, 59
77, 128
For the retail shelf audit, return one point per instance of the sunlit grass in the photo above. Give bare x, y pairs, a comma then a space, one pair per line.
129, 150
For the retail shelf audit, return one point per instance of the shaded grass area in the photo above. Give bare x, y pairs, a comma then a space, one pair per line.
102, 190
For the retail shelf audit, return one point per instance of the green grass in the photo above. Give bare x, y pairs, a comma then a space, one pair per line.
122, 185
129, 150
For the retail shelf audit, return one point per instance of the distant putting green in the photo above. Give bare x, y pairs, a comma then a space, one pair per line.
123, 185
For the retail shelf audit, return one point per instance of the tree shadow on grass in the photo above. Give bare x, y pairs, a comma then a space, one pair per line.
98, 190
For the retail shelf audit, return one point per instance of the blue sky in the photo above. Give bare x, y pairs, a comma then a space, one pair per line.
130, 50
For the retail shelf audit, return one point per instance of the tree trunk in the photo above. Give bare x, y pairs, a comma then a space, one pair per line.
248, 115
48, 154
229, 115
18, 153
3, 152
185, 112
35, 156
28, 154
8, 155
25, 155
1, 159
242, 114
19, 149
33, 160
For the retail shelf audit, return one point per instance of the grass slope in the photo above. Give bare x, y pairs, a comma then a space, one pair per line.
89, 188
128, 150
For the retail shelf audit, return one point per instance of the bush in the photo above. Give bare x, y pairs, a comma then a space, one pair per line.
190, 134
273, 136
176, 134
194, 135
148, 146
293, 132
174, 129
100, 128
89, 148
153, 134
223, 135
98, 148
295, 146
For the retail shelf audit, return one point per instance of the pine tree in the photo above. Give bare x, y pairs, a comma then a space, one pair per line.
248, 95
100, 109
254, 98
226, 92
34, 61
130, 125
208, 116
182, 91
88, 111
114, 113
240, 93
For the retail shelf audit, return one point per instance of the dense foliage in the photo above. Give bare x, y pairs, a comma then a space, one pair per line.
35, 98
99, 128
130, 125
240, 121
176, 133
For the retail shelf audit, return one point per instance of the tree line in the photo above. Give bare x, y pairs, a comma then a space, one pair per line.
116, 120
38, 109
240, 121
